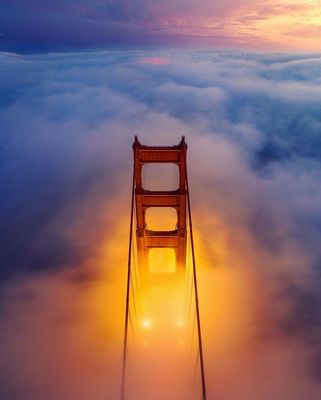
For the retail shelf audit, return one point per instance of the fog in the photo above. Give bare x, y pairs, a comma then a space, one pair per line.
252, 125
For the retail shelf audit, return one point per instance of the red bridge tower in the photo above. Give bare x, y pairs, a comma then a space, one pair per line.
148, 239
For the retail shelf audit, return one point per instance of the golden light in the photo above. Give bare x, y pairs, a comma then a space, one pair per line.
180, 323
161, 218
147, 323
162, 261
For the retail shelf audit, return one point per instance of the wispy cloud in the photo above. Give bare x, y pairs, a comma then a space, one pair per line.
264, 25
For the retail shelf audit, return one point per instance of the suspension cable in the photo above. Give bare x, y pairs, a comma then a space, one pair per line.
131, 326
124, 359
198, 319
134, 280
133, 293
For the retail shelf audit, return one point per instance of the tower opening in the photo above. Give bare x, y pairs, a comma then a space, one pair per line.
160, 176
162, 261
161, 218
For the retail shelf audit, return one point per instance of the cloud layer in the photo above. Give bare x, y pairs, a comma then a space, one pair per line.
252, 123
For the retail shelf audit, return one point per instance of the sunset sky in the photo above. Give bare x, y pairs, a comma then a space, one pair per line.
246, 24
242, 81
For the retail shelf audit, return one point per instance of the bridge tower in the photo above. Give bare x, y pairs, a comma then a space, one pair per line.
147, 239
144, 198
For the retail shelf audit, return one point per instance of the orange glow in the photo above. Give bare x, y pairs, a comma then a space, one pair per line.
161, 218
147, 323
162, 261
162, 348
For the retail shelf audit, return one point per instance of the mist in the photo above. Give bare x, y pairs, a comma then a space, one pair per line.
252, 124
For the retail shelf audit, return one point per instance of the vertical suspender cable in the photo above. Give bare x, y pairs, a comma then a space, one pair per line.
124, 360
198, 319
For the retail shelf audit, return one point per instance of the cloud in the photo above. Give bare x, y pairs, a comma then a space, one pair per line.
252, 124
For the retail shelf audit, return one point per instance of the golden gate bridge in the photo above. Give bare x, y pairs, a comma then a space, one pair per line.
141, 275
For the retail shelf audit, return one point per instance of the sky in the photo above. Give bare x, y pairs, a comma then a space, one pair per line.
252, 124
267, 25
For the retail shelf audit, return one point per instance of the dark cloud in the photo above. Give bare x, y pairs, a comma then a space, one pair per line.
252, 124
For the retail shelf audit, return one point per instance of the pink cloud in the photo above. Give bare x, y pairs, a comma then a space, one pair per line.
154, 60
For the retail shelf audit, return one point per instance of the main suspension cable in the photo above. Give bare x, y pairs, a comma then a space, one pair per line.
198, 319
124, 359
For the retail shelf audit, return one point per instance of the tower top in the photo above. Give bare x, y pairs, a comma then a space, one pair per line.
180, 146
